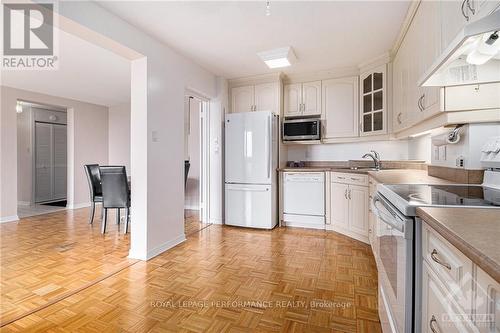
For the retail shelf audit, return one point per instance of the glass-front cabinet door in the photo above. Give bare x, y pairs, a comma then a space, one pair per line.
373, 109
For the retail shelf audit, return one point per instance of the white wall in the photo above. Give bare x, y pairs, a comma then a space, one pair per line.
157, 103
87, 143
419, 148
217, 110
119, 135
192, 194
389, 150
472, 138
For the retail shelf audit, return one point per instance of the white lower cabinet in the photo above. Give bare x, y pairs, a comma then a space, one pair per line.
439, 314
457, 295
349, 205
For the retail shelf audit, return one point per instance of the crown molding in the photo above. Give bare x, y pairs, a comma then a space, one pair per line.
410, 14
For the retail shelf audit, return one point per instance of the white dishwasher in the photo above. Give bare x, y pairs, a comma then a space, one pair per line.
304, 199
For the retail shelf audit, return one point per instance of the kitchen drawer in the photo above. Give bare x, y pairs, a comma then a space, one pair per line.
349, 178
439, 314
450, 265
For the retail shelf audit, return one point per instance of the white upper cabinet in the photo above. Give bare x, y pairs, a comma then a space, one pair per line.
340, 107
261, 97
453, 18
293, 99
303, 99
373, 105
266, 97
311, 98
242, 99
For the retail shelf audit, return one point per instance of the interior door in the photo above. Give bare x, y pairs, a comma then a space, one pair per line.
248, 148
43, 162
311, 98
59, 138
266, 97
339, 205
242, 99
340, 107
293, 99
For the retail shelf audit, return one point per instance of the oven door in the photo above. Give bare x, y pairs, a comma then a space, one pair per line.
301, 129
394, 256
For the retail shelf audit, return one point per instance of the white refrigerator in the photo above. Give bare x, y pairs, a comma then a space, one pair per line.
251, 160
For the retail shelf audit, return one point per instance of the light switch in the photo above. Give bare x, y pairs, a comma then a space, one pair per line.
435, 152
154, 136
442, 153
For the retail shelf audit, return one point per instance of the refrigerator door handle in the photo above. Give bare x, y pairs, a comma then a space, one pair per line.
269, 146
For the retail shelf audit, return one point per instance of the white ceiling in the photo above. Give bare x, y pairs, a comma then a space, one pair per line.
224, 37
86, 73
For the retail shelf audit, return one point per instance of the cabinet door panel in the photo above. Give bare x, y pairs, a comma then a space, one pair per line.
266, 97
340, 107
242, 99
311, 98
358, 209
452, 20
293, 99
339, 205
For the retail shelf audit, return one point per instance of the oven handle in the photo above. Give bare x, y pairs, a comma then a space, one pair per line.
386, 218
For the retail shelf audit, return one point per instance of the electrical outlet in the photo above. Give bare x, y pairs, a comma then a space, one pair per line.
460, 162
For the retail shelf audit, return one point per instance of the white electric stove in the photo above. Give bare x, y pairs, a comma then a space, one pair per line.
398, 236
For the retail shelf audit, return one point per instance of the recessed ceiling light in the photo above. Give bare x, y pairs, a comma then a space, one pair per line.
277, 58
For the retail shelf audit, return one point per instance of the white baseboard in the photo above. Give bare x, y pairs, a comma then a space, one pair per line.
24, 203
79, 205
6, 219
157, 250
190, 207
216, 221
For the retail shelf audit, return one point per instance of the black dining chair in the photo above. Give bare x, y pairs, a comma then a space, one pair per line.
115, 193
94, 180
187, 165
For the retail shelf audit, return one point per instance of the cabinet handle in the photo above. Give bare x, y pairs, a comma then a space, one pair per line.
349, 194
463, 10
399, 118
340, 177
472, 10
436, 259
419, 103
431, 324
345, 194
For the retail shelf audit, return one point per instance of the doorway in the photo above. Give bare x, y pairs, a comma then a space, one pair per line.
196, 113
42, 154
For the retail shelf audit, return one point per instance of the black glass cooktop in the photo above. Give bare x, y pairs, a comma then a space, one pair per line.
447, 195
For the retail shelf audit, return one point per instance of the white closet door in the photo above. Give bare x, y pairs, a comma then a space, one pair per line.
43, 162
59, 138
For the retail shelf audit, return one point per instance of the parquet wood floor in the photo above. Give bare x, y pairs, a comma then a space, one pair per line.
292, 280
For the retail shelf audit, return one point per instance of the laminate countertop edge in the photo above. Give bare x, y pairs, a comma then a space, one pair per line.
487, 264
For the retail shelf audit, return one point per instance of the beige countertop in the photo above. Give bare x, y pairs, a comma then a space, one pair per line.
405, 176
323, 169
474, 231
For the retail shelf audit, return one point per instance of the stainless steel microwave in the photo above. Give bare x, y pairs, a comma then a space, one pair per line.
301, 129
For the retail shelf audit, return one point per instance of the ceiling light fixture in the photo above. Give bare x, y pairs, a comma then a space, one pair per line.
277, 58
19, 107
268, 9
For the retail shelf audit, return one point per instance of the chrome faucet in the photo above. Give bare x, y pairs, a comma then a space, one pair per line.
376, 158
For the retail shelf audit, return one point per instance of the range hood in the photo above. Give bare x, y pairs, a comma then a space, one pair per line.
473, 57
